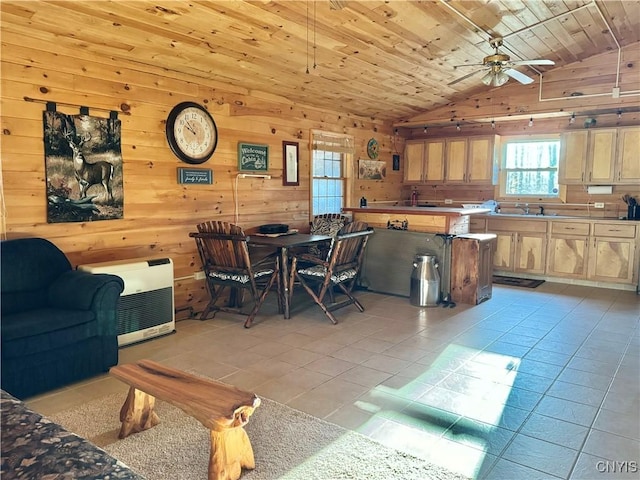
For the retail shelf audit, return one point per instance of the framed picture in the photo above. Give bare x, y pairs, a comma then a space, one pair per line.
290, 174
253, 157
371, 170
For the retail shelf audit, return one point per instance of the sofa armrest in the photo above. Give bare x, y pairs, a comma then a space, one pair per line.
77, 290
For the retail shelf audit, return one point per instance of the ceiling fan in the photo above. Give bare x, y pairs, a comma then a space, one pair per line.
499, 67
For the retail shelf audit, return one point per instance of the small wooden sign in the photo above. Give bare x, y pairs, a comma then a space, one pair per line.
253, 157
195, 176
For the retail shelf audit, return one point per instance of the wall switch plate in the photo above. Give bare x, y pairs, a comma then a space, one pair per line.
598, 205
448, 201
199, 275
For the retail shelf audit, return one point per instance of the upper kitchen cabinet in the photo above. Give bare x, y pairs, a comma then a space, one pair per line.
470, 160
627, 164
588, 156
424, 161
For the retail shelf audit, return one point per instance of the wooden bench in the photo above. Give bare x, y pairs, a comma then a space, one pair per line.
223, 409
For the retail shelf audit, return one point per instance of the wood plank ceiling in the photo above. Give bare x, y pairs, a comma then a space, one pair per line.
380, 59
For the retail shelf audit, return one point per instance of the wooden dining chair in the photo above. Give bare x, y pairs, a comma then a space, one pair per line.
226, 264
325, 224
318, 276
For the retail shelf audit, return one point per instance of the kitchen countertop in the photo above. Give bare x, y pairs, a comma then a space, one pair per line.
519, 216
438, 211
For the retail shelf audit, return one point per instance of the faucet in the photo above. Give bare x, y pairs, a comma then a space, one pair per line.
525, 208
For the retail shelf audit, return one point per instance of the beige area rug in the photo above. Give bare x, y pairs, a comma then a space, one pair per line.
287, 444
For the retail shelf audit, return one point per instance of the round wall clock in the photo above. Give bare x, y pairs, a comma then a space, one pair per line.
191, 132
372, 149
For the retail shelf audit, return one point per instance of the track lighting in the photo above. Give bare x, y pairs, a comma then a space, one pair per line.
493, 124
619, 113
395, 132
458, 126
572, 120
425, 129
531, 121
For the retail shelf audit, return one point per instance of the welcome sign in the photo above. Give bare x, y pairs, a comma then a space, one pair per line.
253, 157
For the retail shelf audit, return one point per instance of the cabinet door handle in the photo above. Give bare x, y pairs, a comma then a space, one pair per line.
569, 228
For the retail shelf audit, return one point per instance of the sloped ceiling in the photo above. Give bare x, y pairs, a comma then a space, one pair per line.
381, 59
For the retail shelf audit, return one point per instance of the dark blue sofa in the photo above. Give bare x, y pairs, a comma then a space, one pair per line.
58, 325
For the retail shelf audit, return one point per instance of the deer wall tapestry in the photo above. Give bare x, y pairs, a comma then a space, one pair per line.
83, 163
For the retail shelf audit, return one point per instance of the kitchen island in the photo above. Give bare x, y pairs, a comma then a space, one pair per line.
451, 221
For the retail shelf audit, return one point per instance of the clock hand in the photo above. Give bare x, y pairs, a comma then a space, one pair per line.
190, 128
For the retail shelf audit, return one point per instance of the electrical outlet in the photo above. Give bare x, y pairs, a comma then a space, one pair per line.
598, 205
199, 275
448, 201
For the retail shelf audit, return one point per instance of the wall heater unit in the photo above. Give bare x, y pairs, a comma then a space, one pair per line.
146, 307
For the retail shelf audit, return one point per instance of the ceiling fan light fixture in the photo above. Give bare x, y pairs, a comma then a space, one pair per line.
487, 79
500, 79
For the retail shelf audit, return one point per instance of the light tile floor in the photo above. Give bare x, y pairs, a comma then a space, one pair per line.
532, 384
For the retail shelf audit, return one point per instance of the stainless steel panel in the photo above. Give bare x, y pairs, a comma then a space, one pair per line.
388, 262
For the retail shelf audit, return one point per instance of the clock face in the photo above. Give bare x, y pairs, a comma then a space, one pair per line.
191, 132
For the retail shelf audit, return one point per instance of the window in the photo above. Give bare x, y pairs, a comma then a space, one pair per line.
330, 155
530, 167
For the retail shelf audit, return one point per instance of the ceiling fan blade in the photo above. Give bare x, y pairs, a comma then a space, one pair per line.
469, 65
519, 76
464, 77
533, 62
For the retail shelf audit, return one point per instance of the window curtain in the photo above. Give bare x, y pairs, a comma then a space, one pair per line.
332, 142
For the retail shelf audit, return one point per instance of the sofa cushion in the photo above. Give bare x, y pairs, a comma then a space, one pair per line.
28, 267
45, 329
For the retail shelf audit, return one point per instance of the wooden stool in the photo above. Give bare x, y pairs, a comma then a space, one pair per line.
223, 409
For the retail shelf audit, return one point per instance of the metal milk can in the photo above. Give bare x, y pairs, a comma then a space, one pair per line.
425, 282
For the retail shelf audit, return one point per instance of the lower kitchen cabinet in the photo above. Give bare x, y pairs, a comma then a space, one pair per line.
568, 256
592, 250
568, 249
504, 252
612, 253
531, 249
520, 246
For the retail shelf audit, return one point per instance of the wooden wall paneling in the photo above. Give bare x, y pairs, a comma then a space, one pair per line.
159, 213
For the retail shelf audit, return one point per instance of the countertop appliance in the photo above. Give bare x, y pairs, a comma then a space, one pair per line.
388, 261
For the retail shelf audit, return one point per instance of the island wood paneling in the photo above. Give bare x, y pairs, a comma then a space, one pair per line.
159, 213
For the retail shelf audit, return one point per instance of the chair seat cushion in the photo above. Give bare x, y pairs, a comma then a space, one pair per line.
45, 329
318, 271
242, 278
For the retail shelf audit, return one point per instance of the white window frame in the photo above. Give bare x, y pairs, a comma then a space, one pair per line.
506, 140
342, 144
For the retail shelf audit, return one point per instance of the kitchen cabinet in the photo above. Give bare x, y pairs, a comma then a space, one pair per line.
424, 161
612, 253
477, 224
568, 249
587, 156
627, 164
521, 245
470, 160
472, 268
460, 160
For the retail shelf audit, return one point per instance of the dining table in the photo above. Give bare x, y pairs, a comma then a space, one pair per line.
282, 243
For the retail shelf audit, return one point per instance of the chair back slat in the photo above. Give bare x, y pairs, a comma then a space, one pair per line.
224, 246
349, 244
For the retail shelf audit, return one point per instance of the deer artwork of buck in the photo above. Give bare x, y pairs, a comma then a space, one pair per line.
87, 174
